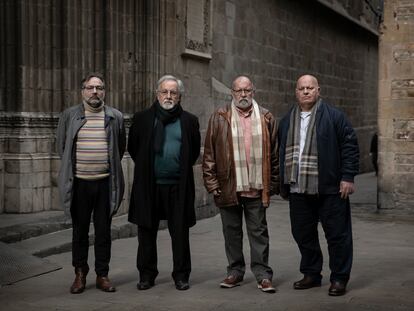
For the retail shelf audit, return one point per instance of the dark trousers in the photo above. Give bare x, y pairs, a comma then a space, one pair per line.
88, 197
334, 214
167, 208
257, 232
374, 160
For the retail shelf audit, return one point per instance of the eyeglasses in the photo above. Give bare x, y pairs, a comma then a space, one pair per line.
305, 88
166, 92
240, 91
92, 87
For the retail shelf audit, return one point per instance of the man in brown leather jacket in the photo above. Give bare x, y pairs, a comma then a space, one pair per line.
240, 168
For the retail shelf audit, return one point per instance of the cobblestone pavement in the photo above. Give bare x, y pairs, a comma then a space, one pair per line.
382, 276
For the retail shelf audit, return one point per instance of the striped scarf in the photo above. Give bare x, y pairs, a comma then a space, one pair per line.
307, 177
247, 176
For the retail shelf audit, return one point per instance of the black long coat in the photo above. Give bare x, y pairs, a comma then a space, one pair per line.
140, 147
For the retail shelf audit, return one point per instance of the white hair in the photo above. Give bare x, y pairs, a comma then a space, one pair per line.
164, 78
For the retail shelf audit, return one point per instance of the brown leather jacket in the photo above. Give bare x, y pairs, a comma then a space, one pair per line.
218, 161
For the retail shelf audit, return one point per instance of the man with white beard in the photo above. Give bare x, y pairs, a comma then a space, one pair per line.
164, 143
240, 168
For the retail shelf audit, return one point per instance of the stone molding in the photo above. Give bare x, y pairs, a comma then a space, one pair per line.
23, 120
28, 119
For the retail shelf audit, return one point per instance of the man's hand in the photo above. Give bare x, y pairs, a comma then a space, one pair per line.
346, 188
216, 192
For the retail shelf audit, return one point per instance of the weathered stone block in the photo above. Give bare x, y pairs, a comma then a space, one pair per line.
17, 180
404, 12
21, 145
18, 200
45, 145
386, 201
402, 88
41, 165
404, 159
2, 197
47, 199
19, 166
230, 10
404, 183
55, 164
37, 199
2, 145
404, 129
55, 203
42, 180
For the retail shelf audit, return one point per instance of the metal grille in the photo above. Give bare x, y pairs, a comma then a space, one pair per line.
17, 265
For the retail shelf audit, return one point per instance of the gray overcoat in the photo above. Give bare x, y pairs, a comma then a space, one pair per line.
70, 122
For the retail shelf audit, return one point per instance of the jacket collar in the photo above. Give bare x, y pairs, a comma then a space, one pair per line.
80, 112
225, 112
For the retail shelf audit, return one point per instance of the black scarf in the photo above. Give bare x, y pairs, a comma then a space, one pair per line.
163, 117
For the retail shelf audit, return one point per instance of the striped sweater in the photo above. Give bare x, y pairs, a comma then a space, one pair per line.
92, 161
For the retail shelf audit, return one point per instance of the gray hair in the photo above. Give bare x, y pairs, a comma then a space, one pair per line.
164, 78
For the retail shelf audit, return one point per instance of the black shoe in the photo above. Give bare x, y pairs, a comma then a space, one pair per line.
143, 285
338, 288
182, 285
307, 282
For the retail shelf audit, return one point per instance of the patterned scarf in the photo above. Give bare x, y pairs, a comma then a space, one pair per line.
308, 179
247, 176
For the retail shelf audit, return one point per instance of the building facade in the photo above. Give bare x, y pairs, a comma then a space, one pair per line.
396, 108
46, 46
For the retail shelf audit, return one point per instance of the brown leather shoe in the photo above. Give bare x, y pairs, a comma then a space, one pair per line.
79, 283
103, 283
307, 282
337, 288
231, 281
266, 286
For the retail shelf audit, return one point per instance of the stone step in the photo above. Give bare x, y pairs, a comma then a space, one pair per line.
61, 241
18, 227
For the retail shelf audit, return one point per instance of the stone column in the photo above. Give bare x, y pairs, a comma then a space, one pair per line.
46, 47
396, 108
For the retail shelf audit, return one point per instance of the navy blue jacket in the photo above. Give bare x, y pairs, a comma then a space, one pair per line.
338, 152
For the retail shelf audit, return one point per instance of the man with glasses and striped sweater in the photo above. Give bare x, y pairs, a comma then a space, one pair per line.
91, 142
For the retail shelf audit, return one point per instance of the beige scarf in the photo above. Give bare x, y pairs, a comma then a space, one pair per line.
247, 176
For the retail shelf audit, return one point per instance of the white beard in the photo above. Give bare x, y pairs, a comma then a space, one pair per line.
243, 103
167, 104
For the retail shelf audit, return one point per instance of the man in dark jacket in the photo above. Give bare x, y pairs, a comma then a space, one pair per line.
319, 158
91, 141
164, 143
240, 168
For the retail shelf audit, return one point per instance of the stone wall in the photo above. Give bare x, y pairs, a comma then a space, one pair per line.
274, 42
46, 47
396, 108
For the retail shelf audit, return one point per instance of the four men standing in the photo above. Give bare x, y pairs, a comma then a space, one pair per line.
315, 146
